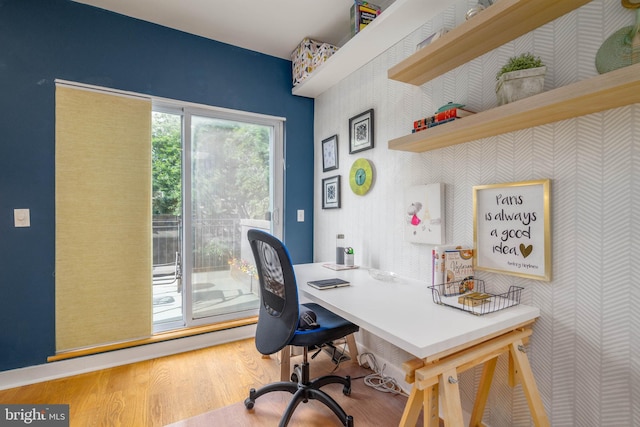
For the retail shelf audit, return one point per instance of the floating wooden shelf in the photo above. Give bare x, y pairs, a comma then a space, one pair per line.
493, 27
603, 92
395, 23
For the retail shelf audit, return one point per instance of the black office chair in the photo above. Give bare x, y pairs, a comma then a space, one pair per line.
279, 325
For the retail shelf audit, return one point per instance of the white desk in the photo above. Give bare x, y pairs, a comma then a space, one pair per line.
445, 340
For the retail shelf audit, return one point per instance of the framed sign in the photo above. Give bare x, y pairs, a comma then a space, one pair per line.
330, 153
331, 192
511, 229
361, 132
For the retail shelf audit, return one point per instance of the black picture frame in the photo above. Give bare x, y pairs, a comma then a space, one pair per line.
331, 192
330, 153
361, 132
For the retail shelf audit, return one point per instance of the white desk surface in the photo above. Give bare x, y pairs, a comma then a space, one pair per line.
403, 313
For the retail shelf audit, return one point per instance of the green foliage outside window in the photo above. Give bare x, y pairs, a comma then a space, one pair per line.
166, 164
230, 168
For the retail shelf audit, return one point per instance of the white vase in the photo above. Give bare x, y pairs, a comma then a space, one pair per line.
519, 84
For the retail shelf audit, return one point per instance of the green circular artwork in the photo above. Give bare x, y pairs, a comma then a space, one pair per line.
361, 176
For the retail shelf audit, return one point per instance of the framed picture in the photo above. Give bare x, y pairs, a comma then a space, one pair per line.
511, 230
330, 153
331, 192
361, 132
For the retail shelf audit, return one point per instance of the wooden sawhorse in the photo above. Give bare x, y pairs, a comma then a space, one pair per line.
437, 378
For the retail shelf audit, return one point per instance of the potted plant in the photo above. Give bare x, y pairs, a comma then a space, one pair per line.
242, 270
520, 77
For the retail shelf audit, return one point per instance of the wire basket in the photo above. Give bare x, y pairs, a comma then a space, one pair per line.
469, 295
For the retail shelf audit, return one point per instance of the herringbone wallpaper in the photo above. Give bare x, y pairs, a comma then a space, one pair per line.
584, 351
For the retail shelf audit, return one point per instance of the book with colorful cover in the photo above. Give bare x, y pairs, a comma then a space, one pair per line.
441, 122
432, 124
453, 113
437, 263
362, 13
458, 271
423, 123
440, 118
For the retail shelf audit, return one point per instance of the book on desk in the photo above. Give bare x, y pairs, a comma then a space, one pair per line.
328, 283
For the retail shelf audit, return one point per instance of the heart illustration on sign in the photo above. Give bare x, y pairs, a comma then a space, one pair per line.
525, 250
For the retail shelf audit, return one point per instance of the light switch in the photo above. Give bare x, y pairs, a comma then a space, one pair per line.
21, 218
300, 215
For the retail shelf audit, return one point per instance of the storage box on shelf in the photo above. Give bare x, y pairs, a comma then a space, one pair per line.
308, 56
324, 52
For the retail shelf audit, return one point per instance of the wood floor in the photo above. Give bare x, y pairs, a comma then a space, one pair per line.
161, 391
155, 392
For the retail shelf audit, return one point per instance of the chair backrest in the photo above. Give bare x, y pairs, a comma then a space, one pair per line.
279, 310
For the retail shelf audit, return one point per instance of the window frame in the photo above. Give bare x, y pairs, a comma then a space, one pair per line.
187, 110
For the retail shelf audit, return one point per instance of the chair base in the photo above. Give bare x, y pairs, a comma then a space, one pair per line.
303, 390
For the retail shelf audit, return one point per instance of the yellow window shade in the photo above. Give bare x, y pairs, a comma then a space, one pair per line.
103, 218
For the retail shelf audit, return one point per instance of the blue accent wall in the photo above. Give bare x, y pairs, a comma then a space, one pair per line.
44, 40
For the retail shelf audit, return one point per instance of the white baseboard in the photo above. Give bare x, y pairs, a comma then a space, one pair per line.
390, 370
80, 365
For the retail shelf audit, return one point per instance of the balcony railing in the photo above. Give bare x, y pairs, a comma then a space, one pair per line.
215, 242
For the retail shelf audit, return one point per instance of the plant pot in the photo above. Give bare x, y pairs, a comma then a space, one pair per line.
519, 84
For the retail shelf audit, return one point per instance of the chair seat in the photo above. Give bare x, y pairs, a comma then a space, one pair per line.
332, 327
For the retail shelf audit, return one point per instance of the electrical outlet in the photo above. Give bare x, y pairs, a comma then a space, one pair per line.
300, 215
21, 218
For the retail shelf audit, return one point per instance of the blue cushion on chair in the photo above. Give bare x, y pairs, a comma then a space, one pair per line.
332, 327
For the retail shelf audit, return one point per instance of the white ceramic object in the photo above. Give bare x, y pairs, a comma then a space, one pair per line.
385, 276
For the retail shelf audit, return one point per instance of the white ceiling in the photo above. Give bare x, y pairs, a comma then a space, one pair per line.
273, 27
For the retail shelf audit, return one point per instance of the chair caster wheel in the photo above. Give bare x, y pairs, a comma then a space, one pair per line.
294, 377
346, 391
349, 421
249, 402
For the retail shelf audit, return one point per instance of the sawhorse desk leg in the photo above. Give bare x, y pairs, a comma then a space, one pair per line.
412, 408
418, 399
523, 368
442, 376
451, 404
483, 392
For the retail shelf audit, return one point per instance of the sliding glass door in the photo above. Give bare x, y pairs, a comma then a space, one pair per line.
230, 181
231, 191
